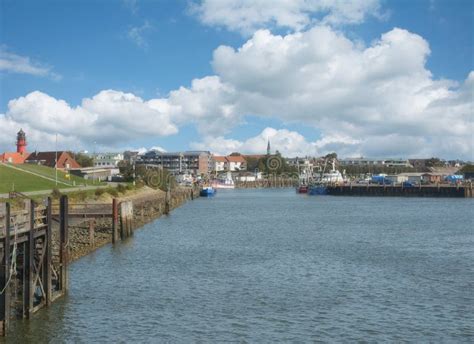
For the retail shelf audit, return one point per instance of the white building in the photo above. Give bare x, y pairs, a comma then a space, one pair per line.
229, 163
107, 160
374, 162
219, 163
236, 163
397, 178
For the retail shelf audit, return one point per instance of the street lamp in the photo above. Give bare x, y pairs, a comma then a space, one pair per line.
56, 161
93, 164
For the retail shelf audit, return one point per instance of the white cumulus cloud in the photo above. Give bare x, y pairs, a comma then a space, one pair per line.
247, 16
375, 100
108, 118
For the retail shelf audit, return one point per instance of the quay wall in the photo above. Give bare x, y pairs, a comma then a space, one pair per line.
87, 235
464, 191
272, 182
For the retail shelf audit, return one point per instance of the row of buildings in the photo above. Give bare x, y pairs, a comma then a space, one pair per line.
191, 162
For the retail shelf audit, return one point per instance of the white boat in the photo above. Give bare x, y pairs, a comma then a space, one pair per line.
224, 182
333, 176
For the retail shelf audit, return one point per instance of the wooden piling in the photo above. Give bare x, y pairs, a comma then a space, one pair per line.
167, 201
63, 242
29, 264
49, 254
91, 232
114, 221
5, 276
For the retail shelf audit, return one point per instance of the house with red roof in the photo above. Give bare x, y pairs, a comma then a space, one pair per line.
229, 163
64, 160
20, 155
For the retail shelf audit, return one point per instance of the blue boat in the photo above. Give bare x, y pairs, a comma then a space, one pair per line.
317, 190
207, 191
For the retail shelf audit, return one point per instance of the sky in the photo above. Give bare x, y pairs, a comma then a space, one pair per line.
372, 78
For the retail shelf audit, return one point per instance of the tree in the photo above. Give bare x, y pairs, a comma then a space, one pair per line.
434, 162
126, 170
331, 156
83, 159
252, 163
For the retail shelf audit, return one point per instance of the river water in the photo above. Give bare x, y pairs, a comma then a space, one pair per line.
274, 266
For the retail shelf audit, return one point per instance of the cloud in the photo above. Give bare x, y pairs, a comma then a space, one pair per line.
375, 100
110, 118
131, 5
247, 16
289, 143
13, 63
137, 34
321, 78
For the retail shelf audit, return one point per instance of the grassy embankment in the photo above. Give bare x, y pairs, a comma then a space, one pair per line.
14, 180
50, 172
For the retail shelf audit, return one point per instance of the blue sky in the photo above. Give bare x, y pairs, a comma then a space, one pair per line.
77, 49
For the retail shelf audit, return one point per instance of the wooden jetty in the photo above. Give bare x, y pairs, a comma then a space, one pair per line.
34, 250
438, 190
33, 269
36, 242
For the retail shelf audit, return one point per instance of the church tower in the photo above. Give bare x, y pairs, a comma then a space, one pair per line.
21, 142
268, 148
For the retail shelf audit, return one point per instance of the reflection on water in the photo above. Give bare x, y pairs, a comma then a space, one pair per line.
271, 265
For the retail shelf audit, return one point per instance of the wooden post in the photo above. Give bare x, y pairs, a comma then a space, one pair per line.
63, 242
167, 201
130, 226
114, 220
49, 253
5, 276
28, 263
91, 232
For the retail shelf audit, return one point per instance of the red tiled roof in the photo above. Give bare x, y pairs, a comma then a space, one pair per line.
49, 159
236, 158
14, 157
219, 158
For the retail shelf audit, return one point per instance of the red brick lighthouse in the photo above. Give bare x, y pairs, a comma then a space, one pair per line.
21, 142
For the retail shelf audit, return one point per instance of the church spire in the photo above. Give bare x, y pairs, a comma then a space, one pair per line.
268, 147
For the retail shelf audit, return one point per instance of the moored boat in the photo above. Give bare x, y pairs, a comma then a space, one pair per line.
302, 189
207, 191
317, 190
224, 182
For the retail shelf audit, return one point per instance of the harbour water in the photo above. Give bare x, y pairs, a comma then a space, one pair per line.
274, 266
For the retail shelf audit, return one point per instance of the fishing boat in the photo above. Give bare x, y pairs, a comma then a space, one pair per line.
333, 176
316, 190
302, 189
224, 182
207, 191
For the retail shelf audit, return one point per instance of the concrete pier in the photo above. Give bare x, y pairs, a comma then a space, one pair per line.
456, 191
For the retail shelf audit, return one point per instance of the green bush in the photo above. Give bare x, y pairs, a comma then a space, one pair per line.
121, 188
99, 192
112, 192
55, 193
81, 195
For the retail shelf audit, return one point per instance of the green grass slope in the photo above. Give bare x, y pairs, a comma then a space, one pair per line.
51, 173
23, 181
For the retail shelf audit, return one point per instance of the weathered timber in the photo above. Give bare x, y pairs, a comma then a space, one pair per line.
49, 254
5, 275
63, 243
